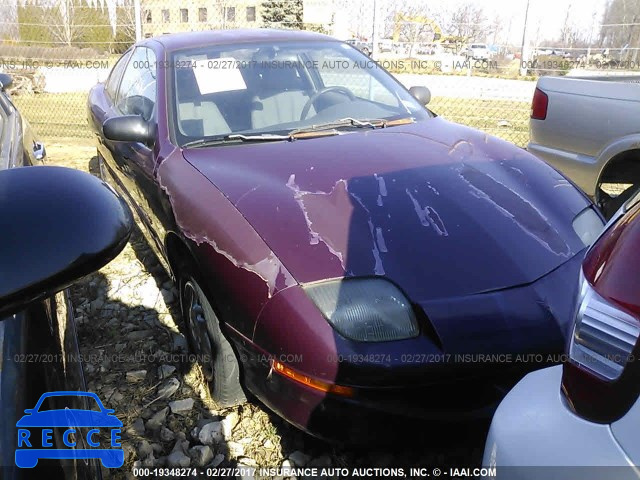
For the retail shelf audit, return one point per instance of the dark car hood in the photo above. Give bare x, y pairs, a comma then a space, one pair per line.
436, 207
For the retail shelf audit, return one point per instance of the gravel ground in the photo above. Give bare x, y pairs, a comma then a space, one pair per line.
132, 340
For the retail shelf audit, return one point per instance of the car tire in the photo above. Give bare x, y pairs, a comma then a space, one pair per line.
621, 170
94, 166
610, 205
206, 339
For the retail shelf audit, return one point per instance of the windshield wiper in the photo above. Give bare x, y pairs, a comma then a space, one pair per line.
344, 122
268, 137
236, 137
313, 131
353, 122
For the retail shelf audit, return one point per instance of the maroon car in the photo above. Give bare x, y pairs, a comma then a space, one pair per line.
339, 249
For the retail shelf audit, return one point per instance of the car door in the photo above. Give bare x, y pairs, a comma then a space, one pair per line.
101, 106
134, 162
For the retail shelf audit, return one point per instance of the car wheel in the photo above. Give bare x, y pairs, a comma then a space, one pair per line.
215, 354
94, 166
617, 183
101, 170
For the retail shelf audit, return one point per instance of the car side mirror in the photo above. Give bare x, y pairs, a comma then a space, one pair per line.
422, 94
58, 225
5, 81
128, 128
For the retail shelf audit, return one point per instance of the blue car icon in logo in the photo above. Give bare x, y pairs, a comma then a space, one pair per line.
101, 432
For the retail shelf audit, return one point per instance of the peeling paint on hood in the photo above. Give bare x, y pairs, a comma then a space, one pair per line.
323, 211
433, 206
241, 246
510, 203
382, 186
311, 206
428, 216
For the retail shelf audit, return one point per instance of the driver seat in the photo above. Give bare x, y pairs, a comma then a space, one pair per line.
280, 96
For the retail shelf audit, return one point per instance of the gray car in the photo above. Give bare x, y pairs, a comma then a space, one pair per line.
589, 129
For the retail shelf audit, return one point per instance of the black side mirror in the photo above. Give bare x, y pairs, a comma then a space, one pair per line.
129, 128
58, 225
422, 94
5, 81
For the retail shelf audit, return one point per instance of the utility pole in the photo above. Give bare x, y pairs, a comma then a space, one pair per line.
523, 65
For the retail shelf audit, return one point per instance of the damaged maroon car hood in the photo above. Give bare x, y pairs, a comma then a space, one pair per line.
440, 209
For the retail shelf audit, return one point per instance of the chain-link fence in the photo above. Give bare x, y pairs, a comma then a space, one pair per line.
480, 68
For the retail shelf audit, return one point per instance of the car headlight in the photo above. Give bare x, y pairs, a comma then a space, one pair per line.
588, 226
365, 309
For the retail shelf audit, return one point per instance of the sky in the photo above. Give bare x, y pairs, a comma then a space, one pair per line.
546, 17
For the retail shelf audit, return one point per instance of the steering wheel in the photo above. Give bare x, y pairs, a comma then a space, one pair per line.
319, 93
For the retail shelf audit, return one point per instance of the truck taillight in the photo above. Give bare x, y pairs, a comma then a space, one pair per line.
539, 105
597, 381
604, 336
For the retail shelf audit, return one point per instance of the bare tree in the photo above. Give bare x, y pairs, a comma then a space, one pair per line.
63, 25
469, 21
620, 28
69, 20
411, 23
495, 28
125, 35
568, 30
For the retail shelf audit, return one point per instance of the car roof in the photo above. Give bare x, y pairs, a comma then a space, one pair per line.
178, 41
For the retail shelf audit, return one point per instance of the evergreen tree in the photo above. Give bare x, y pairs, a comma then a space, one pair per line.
283, 14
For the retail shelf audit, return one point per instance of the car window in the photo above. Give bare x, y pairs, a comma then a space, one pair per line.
276, 88
337, 69
116, 74
137, 91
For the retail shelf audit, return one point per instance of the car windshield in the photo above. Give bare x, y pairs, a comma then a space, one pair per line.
249, 90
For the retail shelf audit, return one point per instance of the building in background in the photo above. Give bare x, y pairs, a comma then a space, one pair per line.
339, 18
166, 16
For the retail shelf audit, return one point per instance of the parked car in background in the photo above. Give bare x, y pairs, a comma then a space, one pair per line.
363, 46
58, 225
426, 49
589, 129
585, 413
19, 145
338, 248
478, 51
